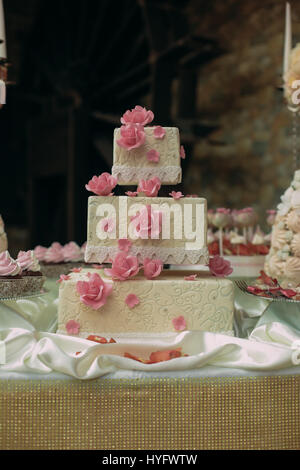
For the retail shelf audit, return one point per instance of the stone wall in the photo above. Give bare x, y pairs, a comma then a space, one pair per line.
248, 160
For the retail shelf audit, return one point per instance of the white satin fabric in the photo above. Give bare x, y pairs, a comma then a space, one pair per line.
270, 347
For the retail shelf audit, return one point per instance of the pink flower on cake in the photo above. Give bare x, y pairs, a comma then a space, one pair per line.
219, 267
152, 267
153, 156
138, 115
179, 323
149, 187
132, 136
94, 292
124, 244
107, 225
63, 277
131, 193
191, 277
182, 152
72, 327
132, 300
123, 267
176, 195
102, 185
148, 223
159, 132
8, 266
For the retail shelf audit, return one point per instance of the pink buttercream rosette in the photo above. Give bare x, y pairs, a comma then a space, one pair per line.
94, 292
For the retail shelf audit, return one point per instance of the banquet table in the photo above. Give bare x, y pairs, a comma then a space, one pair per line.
244, 394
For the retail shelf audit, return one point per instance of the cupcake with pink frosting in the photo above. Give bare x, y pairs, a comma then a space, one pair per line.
31, 270
12, 283
59, 259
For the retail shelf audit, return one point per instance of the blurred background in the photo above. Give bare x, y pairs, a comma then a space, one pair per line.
212, 68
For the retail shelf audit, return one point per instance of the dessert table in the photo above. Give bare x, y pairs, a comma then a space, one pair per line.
230, 393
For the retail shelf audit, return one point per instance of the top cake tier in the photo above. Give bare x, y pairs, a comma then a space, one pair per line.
145, 153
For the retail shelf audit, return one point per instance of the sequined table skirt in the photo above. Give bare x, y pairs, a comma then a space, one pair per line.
154, 413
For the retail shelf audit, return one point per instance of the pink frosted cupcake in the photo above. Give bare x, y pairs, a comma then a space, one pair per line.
12, 284
31, 270
59, 259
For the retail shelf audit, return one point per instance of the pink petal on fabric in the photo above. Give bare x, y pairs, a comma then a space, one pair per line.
182, 152
153, 156
179, 323
132, 300
176, 195
159, 132
124, 244
191, 277
72, 327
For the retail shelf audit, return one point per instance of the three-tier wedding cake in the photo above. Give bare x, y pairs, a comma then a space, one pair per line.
136, 236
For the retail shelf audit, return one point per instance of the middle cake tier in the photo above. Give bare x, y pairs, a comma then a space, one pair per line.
172, 230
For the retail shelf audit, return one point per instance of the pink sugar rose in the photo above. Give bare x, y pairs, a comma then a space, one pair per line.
179, 323
159, 132
123, 267
102, 185
124, 244
131, 193
94, 292
138, 115
72, 327
219, 267
149, 187
182, 152
132, 136
132, 300
148, 223
153, 156
152, 267
176, 195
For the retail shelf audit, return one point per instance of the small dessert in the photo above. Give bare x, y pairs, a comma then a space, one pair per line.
3, 237
31, 270
59, 259
12, 284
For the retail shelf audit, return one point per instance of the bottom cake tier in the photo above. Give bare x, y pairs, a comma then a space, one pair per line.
168, 303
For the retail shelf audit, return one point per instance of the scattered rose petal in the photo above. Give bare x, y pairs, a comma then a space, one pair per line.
179, 323
191, 277
289, 293
265, 279
153, 156
131, 193
124, 244
72, 327
76, 270
219, 267
182, 152
63, 277
159, 132
157, 356
176, 195
132, 300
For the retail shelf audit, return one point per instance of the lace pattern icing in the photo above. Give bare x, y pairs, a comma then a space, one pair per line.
132, 175
180, 256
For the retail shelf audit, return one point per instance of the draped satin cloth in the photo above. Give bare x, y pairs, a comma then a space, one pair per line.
265, 343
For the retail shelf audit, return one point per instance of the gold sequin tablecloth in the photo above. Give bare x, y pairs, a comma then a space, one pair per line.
153, 413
